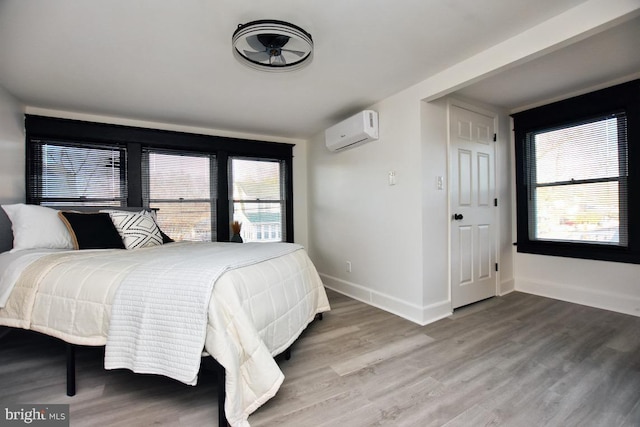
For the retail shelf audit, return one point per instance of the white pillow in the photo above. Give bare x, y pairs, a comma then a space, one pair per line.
136, 230
37, 227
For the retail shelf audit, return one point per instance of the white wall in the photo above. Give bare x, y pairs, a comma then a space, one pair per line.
396, 237
356, 216
435, 209
506, 198
609, 285
12, 154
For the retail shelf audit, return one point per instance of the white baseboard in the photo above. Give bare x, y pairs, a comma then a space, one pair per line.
506, 287
412, 312
626, 304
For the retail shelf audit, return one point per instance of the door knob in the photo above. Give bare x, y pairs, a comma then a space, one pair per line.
457, 217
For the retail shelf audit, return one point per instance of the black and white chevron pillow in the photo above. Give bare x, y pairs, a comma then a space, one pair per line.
136, 230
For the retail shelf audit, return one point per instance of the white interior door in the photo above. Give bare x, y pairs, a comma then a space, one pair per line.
472, 187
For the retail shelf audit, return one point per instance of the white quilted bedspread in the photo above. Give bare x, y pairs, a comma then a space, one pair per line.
255, 311
159, 314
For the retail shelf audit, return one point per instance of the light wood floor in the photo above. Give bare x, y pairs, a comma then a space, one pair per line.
517, 360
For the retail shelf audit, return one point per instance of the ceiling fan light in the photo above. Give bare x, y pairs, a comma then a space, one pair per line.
271, 45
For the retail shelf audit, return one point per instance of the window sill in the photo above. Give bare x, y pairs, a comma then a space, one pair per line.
581, 251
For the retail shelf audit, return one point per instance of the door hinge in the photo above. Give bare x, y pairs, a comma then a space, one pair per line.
496, 266
495, 202
495, 137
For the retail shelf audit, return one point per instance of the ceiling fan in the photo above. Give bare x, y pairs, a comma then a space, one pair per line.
272, 45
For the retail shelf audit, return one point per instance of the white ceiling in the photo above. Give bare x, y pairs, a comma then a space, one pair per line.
610, 55
171, 61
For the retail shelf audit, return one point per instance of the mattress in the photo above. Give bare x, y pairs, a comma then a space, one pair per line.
254, 312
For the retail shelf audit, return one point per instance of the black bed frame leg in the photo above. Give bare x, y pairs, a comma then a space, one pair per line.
71, 370
222, 419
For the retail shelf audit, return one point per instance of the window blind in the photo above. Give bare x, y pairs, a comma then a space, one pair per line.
578, 181
182, 187
65, 173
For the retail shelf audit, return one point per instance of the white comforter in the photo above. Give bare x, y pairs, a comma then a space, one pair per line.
255, 311
146, 337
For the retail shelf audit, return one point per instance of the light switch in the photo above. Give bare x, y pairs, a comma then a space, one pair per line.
392, 177
440, 182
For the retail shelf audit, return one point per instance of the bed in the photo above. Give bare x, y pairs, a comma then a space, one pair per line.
159, 308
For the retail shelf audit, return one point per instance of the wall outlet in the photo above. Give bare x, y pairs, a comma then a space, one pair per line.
348, 266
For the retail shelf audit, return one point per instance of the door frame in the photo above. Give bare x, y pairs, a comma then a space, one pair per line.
456, 102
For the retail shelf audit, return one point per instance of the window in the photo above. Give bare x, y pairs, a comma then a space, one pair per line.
577, 167
186, 176
64, 173
578, 177
179, 186
258, 191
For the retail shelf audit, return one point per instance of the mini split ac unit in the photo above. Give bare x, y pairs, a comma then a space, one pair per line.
354, 131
